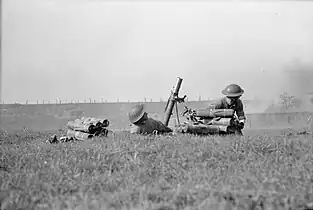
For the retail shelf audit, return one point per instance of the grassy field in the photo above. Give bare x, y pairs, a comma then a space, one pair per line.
265, 169
49, 117
123, 171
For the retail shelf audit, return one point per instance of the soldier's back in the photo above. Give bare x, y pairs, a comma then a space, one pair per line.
147, 128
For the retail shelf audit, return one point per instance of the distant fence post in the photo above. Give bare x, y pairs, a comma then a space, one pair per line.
289, 119
310, 121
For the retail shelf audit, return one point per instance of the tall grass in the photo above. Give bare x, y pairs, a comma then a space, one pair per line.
127, 171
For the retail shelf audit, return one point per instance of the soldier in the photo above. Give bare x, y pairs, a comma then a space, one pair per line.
232, 93
142, 124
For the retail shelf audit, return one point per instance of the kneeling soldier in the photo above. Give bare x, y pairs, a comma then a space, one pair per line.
232, 93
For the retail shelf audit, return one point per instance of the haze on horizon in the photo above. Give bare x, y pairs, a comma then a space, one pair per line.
76, 50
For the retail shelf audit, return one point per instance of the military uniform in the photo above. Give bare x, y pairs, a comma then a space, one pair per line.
237, 106
231, 100
142, 124
150, 126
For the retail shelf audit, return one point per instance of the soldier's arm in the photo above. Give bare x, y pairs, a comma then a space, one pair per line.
163, 128
240, 112
216, 105
134, 129
167, 129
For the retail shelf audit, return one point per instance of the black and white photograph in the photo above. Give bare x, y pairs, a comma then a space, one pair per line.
156, 105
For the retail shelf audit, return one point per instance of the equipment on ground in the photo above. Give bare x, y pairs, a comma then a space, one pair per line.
83, 129
87, 127
204, 121
209, 121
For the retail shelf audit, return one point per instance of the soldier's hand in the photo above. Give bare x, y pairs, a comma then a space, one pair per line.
241, 125
193, 112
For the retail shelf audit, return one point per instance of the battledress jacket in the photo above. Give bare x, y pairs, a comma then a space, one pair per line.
237, 106
150, 126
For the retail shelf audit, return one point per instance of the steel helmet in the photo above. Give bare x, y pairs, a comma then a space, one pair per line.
233, 90
136, 113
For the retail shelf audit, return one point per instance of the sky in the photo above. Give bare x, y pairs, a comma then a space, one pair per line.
93, 49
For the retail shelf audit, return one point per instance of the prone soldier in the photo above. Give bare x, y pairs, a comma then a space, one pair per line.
142, 124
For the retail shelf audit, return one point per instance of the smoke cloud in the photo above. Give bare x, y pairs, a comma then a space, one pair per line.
299, 77
298, 81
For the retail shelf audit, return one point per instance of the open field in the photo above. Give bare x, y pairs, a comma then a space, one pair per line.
55, 116
265, 169
126, 171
